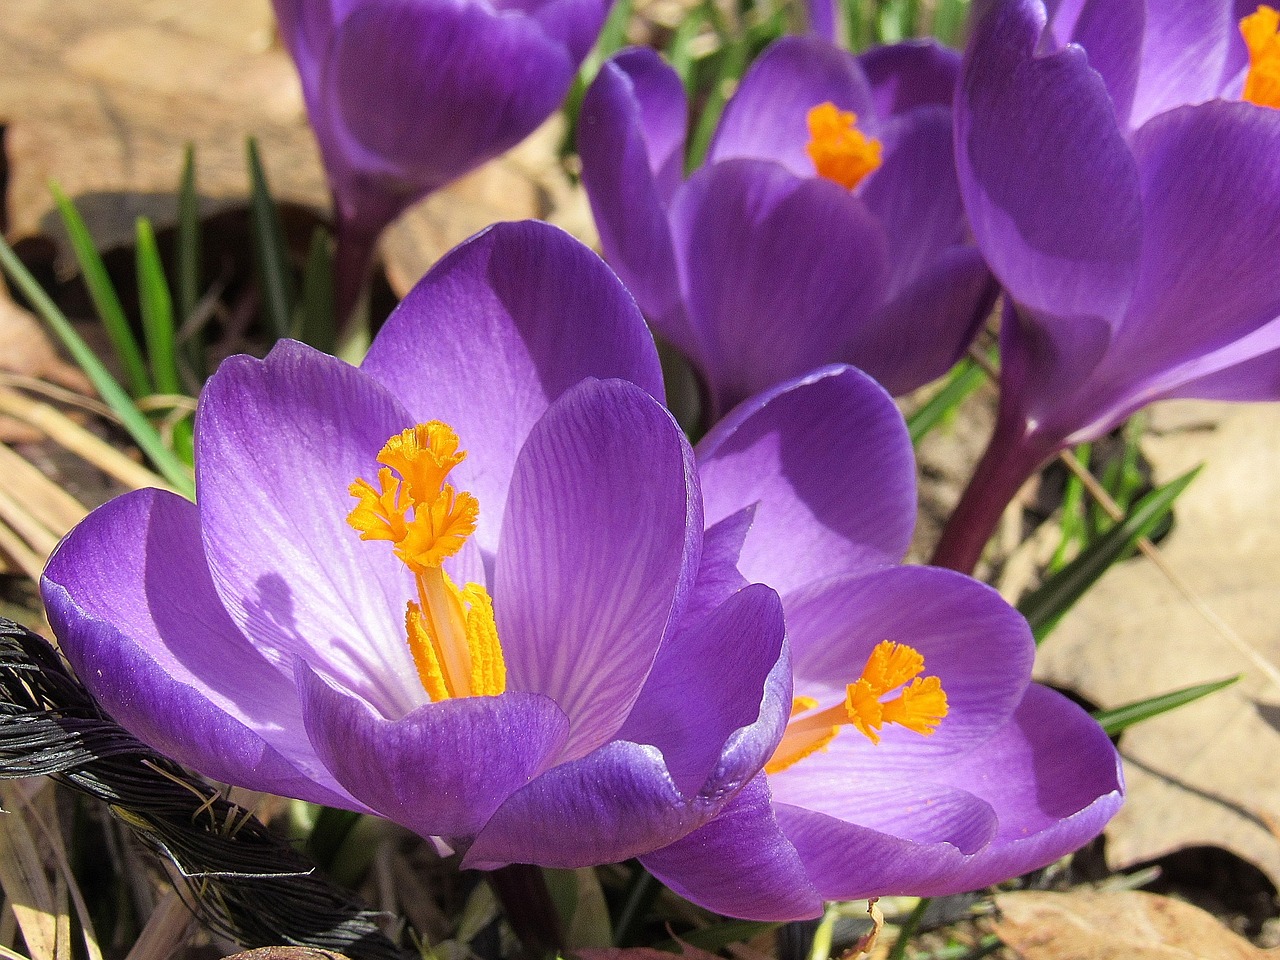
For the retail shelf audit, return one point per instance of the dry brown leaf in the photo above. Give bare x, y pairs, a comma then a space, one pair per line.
1115, 925
1204, 774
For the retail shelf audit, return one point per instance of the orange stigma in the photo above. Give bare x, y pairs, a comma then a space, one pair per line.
839, 150
920, 706
1261, 32
451, 631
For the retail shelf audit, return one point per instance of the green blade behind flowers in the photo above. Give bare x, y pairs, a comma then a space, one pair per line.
188, 267
269, 248
317, 320
138, 426
1044, 606
1113, 721
156, 304
963, 380
103, 293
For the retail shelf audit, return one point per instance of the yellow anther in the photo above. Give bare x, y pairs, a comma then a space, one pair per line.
451, 632
920, 706
839, 150
1261, 32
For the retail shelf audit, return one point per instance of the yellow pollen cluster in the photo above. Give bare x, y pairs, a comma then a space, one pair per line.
920, 706
1261, 32
838, 149
451, 632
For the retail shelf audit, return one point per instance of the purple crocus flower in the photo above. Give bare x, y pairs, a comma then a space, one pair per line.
825, 225
919, 759
407, 95
540, 664
1128, 200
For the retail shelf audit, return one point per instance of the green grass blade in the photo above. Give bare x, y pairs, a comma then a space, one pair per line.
1044, 606
139, 427
269, 248
680, 49
156, 304
964, 379
103, 293
1073, 510
188, 266
1113, 721
731, 64
317, 314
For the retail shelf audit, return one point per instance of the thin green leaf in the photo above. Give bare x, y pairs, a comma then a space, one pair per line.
1044, 606
143, 433
156, 304
680, 49
270, 251
1113, 721
188, 266
964, 379
103, 293
731, 63
1073, 510
317, 322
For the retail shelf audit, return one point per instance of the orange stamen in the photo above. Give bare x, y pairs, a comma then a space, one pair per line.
1261, 32
839, 150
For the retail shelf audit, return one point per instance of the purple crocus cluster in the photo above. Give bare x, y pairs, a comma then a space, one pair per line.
483, 585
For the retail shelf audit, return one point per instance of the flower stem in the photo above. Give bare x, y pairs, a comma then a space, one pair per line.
352, 259
1012, 457
523, 893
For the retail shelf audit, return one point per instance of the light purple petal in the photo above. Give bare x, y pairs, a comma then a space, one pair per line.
599, 546
1256, 379
920, 334
614, 803
503, 325
305, 28
766, 118
848, 861
831, 500
1211, 207
907, 75
1111, 32
777, 272
971, 639
573, 23
631, 134
719, 682
441, 770
1048, 182
718, 576
425, 92
130, 599
1191, 52
1054, 780
915, 194
278, 442
739, 864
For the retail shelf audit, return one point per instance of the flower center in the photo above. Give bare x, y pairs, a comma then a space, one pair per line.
1261, 32
451, 631
838, 149
920, 706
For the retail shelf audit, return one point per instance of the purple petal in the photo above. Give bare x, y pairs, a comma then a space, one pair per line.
1257, 379
1191, 52
614, 803
631, 133
778, 271
739, 864
831, 500
1111, 32
904, 76
305, 27
573, 23
1048, 181
130, 599
599, 547
1211, 203
1054, 780
718, 577
492, 78
920, 334
441, 770
767, 117
278, 441
848, 861
719, 695
915, 194
495, 332
971, 639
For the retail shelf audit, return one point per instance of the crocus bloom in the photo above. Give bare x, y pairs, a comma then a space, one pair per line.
920, 759
1128, 199
462, 586
407, 95
825, 225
